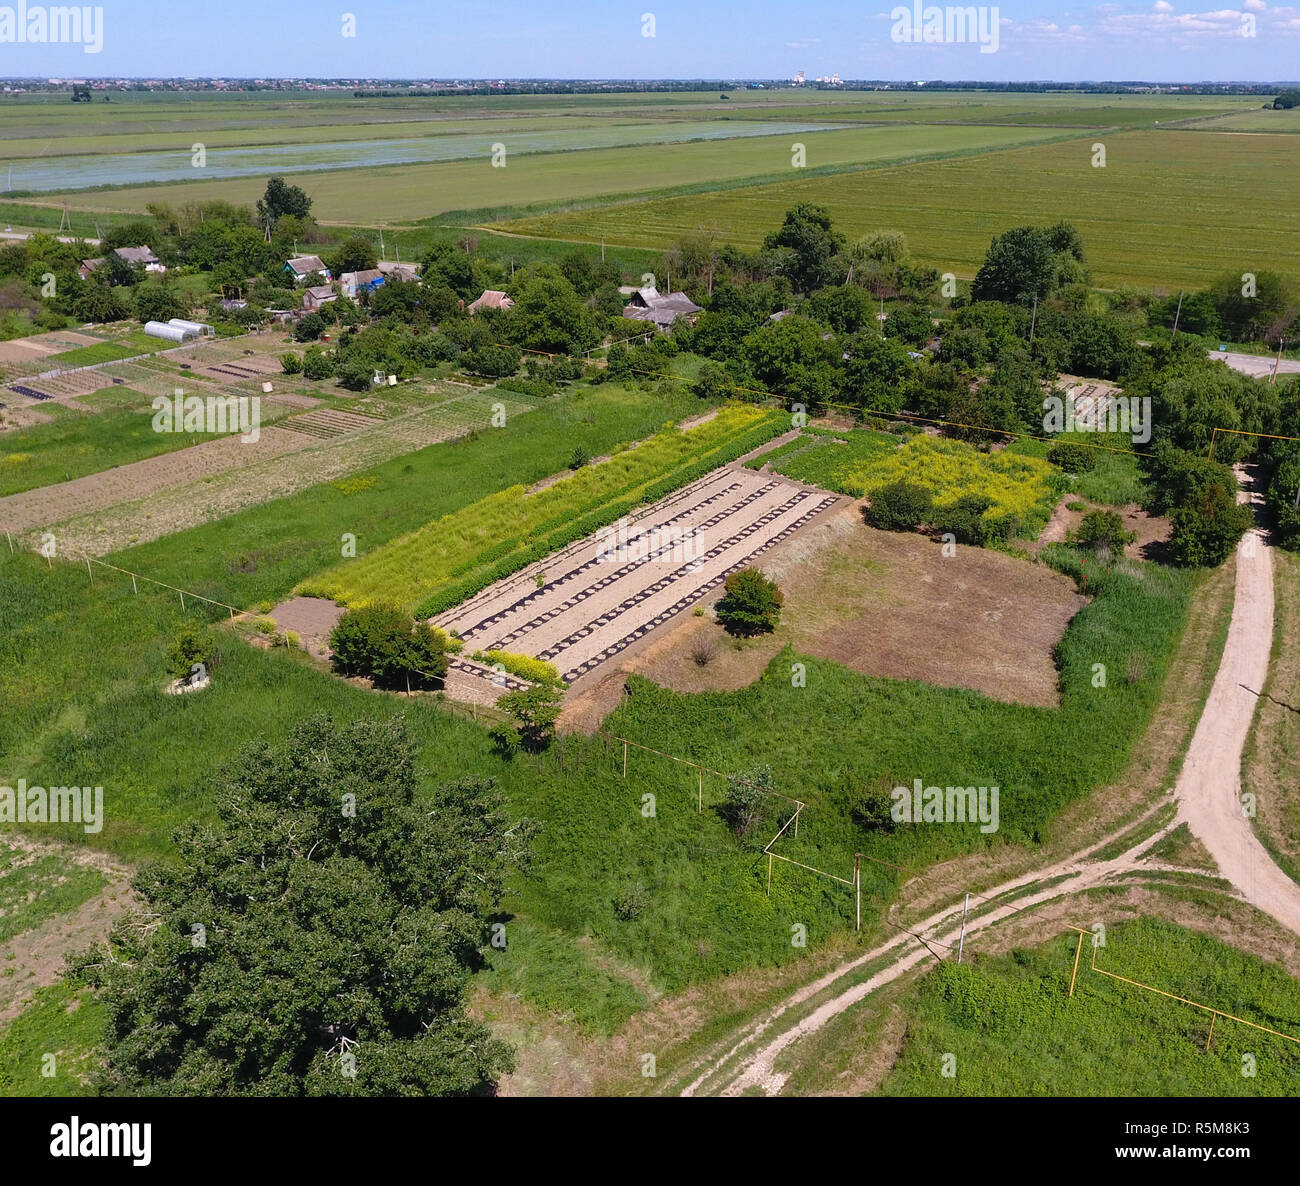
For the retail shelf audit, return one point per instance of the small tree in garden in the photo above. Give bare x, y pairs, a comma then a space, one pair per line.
1103, 531
190, 647
390, 647
534, 711
747, 802
751, 605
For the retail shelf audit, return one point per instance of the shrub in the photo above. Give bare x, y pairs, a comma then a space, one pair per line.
747, 805
316, 364
899, 506
871, 810
535, 671
191, 646
704, 651
491, 362
1074, 459
1104, 530
964, 519
578, 458
309, 327
290, 363
390, 647
631, 902
1208, 525
751, 603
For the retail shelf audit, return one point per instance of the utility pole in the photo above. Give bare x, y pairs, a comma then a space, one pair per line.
602, 249
1177, 316
1281, 343
962, 941
1033, 325
857, 884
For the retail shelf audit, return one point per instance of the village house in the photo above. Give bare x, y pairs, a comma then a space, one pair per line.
356, 282
648, 304
303, 266
131, 255
491, 299
318, 295
407, 273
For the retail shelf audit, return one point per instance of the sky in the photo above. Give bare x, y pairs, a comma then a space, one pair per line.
1059, 40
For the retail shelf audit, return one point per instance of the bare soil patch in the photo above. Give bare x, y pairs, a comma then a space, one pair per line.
1153, 531
890, 604
312, 619
37, 957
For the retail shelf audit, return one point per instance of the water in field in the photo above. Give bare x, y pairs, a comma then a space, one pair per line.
138, 168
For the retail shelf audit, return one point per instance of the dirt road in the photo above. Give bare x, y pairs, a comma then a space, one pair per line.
1209, 786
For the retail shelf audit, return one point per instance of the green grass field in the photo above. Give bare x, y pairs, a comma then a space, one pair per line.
65, 1021
76, 443
1015, 1031
1166, 210
421, 191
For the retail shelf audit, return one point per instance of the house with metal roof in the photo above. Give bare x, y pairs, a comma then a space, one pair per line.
649, 304
303, 266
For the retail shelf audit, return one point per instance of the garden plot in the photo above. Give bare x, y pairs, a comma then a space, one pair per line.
305, 462
609, 591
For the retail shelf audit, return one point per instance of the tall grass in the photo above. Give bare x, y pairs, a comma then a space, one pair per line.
486, 534
261, 553
1015, 1031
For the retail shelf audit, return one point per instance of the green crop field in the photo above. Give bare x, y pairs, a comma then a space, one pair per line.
1169, 209
1015, 1031
412, 192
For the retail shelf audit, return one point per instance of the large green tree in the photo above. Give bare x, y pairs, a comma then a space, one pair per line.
806, 244
280, 199
1027, 262
318, 939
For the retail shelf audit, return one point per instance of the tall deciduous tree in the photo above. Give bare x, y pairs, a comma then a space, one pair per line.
318, 940
280, 199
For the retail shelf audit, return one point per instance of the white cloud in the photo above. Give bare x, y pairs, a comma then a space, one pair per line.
1162, 6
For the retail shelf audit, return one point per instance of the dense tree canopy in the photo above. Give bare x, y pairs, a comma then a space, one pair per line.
318, 939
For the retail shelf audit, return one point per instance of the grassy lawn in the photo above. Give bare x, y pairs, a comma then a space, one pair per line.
66, 1021
77, 443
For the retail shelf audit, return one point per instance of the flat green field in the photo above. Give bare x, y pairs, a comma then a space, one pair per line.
411, 192
1169, 209
1015, 1031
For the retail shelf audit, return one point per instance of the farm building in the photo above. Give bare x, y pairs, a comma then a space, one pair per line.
88, 266
169, 333
648, 304
491, 299
320, 294
198, 329
408, 273
357, 282
141, 255
302, 266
